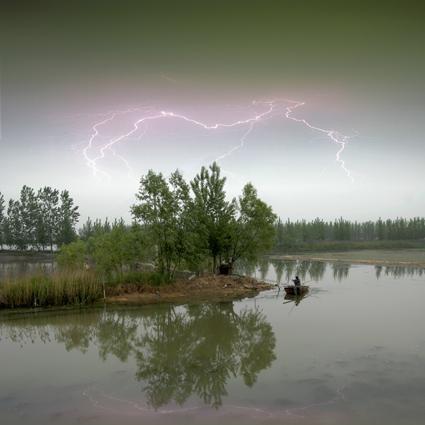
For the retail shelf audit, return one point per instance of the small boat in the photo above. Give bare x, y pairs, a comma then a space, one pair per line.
296, 290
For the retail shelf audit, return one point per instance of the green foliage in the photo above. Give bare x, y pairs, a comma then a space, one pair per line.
67, 219
71, 287
115, 254
38, 220
195, 226
2, 221
118, 250
318, 233
14, 230
253, 230
49, 215
53, 290
93, 228
72, 256
138, 278
162, 209
213, 215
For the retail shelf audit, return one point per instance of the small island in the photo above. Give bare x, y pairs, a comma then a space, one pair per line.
182, 245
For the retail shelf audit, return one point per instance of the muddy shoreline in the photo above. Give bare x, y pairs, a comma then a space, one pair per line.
207, 288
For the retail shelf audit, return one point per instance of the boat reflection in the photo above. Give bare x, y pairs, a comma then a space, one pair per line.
296, 299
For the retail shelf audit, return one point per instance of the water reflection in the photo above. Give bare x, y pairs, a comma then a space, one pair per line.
179, 351
399, 271
18, 265
296, 299
340, 271
283, 271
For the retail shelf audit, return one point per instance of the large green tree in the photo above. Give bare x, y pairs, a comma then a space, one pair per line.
252, 230
213, 213
161, 209
197, 226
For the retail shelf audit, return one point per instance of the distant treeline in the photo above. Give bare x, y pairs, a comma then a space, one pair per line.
292, 234
38, 219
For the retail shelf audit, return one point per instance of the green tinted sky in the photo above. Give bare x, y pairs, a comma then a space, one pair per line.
217, 40
360, 66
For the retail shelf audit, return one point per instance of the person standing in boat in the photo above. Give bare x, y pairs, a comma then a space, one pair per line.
297, 281
297, 284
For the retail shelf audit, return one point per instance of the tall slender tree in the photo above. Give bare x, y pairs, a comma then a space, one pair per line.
213, 212
2, 220
67, 219
15, 233
48, 199
29, 214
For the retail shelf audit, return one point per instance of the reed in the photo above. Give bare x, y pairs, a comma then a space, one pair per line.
71, 288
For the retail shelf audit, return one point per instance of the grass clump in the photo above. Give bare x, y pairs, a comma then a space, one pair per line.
77, 288
138, 278
73, 287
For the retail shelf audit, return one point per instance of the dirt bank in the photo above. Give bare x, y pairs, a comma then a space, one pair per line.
207, 288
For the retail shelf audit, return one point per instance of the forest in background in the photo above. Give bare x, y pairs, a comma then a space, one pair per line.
344, 234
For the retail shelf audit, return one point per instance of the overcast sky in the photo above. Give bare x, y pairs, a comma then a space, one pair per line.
67, 65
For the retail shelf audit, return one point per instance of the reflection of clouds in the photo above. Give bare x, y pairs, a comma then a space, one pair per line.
120, 405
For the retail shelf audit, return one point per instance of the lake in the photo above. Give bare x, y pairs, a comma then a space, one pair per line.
13, 266
350, 352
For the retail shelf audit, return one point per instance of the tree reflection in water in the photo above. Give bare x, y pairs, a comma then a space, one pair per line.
179, 351
310, 270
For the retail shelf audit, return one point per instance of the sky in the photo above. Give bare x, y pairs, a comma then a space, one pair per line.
321, 105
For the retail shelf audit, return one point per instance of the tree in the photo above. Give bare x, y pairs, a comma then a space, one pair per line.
48, 199
162, 210
73, 255
118, 249
253, 231
29, 215
205, 227
212, 212
15, 235
67, 219
2, 220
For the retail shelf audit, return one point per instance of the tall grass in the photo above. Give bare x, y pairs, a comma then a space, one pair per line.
75, 288
72, 287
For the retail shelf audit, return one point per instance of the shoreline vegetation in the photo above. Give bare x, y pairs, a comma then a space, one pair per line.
178, 228
87, 288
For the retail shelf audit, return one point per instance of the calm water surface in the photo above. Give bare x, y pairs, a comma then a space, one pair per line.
13, 266
350, 352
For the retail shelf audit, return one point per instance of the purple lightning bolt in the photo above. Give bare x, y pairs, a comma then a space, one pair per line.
273, 108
